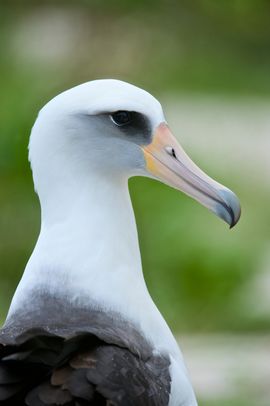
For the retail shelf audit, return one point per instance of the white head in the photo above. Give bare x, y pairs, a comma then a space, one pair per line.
113, 130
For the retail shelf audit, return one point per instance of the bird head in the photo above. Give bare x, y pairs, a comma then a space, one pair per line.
117, 130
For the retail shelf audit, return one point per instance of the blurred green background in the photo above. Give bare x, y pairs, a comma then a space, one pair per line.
208, 62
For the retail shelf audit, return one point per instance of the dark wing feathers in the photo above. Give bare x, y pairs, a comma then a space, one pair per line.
48, 370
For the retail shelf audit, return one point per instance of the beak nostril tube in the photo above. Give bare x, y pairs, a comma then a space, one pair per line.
171, 151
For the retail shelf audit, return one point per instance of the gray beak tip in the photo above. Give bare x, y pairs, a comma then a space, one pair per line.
236, 218
228, 208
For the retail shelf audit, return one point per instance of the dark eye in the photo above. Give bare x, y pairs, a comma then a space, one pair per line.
121, 117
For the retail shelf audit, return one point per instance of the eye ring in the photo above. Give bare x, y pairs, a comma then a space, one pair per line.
121, 117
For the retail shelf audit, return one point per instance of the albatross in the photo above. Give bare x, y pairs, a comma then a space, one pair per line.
82, 328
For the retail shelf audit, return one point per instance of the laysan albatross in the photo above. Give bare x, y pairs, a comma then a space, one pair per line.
82, 328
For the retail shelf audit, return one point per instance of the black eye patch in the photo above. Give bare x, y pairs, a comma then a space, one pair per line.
133, 124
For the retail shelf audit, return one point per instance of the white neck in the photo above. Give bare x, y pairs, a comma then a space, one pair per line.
89, 241
89, 249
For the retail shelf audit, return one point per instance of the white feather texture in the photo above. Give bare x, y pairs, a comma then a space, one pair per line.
88, 243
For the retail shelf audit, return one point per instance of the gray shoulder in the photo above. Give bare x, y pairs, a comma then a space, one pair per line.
58, 316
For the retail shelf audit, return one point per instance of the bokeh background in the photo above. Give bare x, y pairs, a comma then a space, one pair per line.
208, 62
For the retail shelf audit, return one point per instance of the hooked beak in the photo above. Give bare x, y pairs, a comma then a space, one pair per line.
167, 161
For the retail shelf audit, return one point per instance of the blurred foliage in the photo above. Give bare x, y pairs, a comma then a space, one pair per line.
199, 46
194, 45
195, 266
